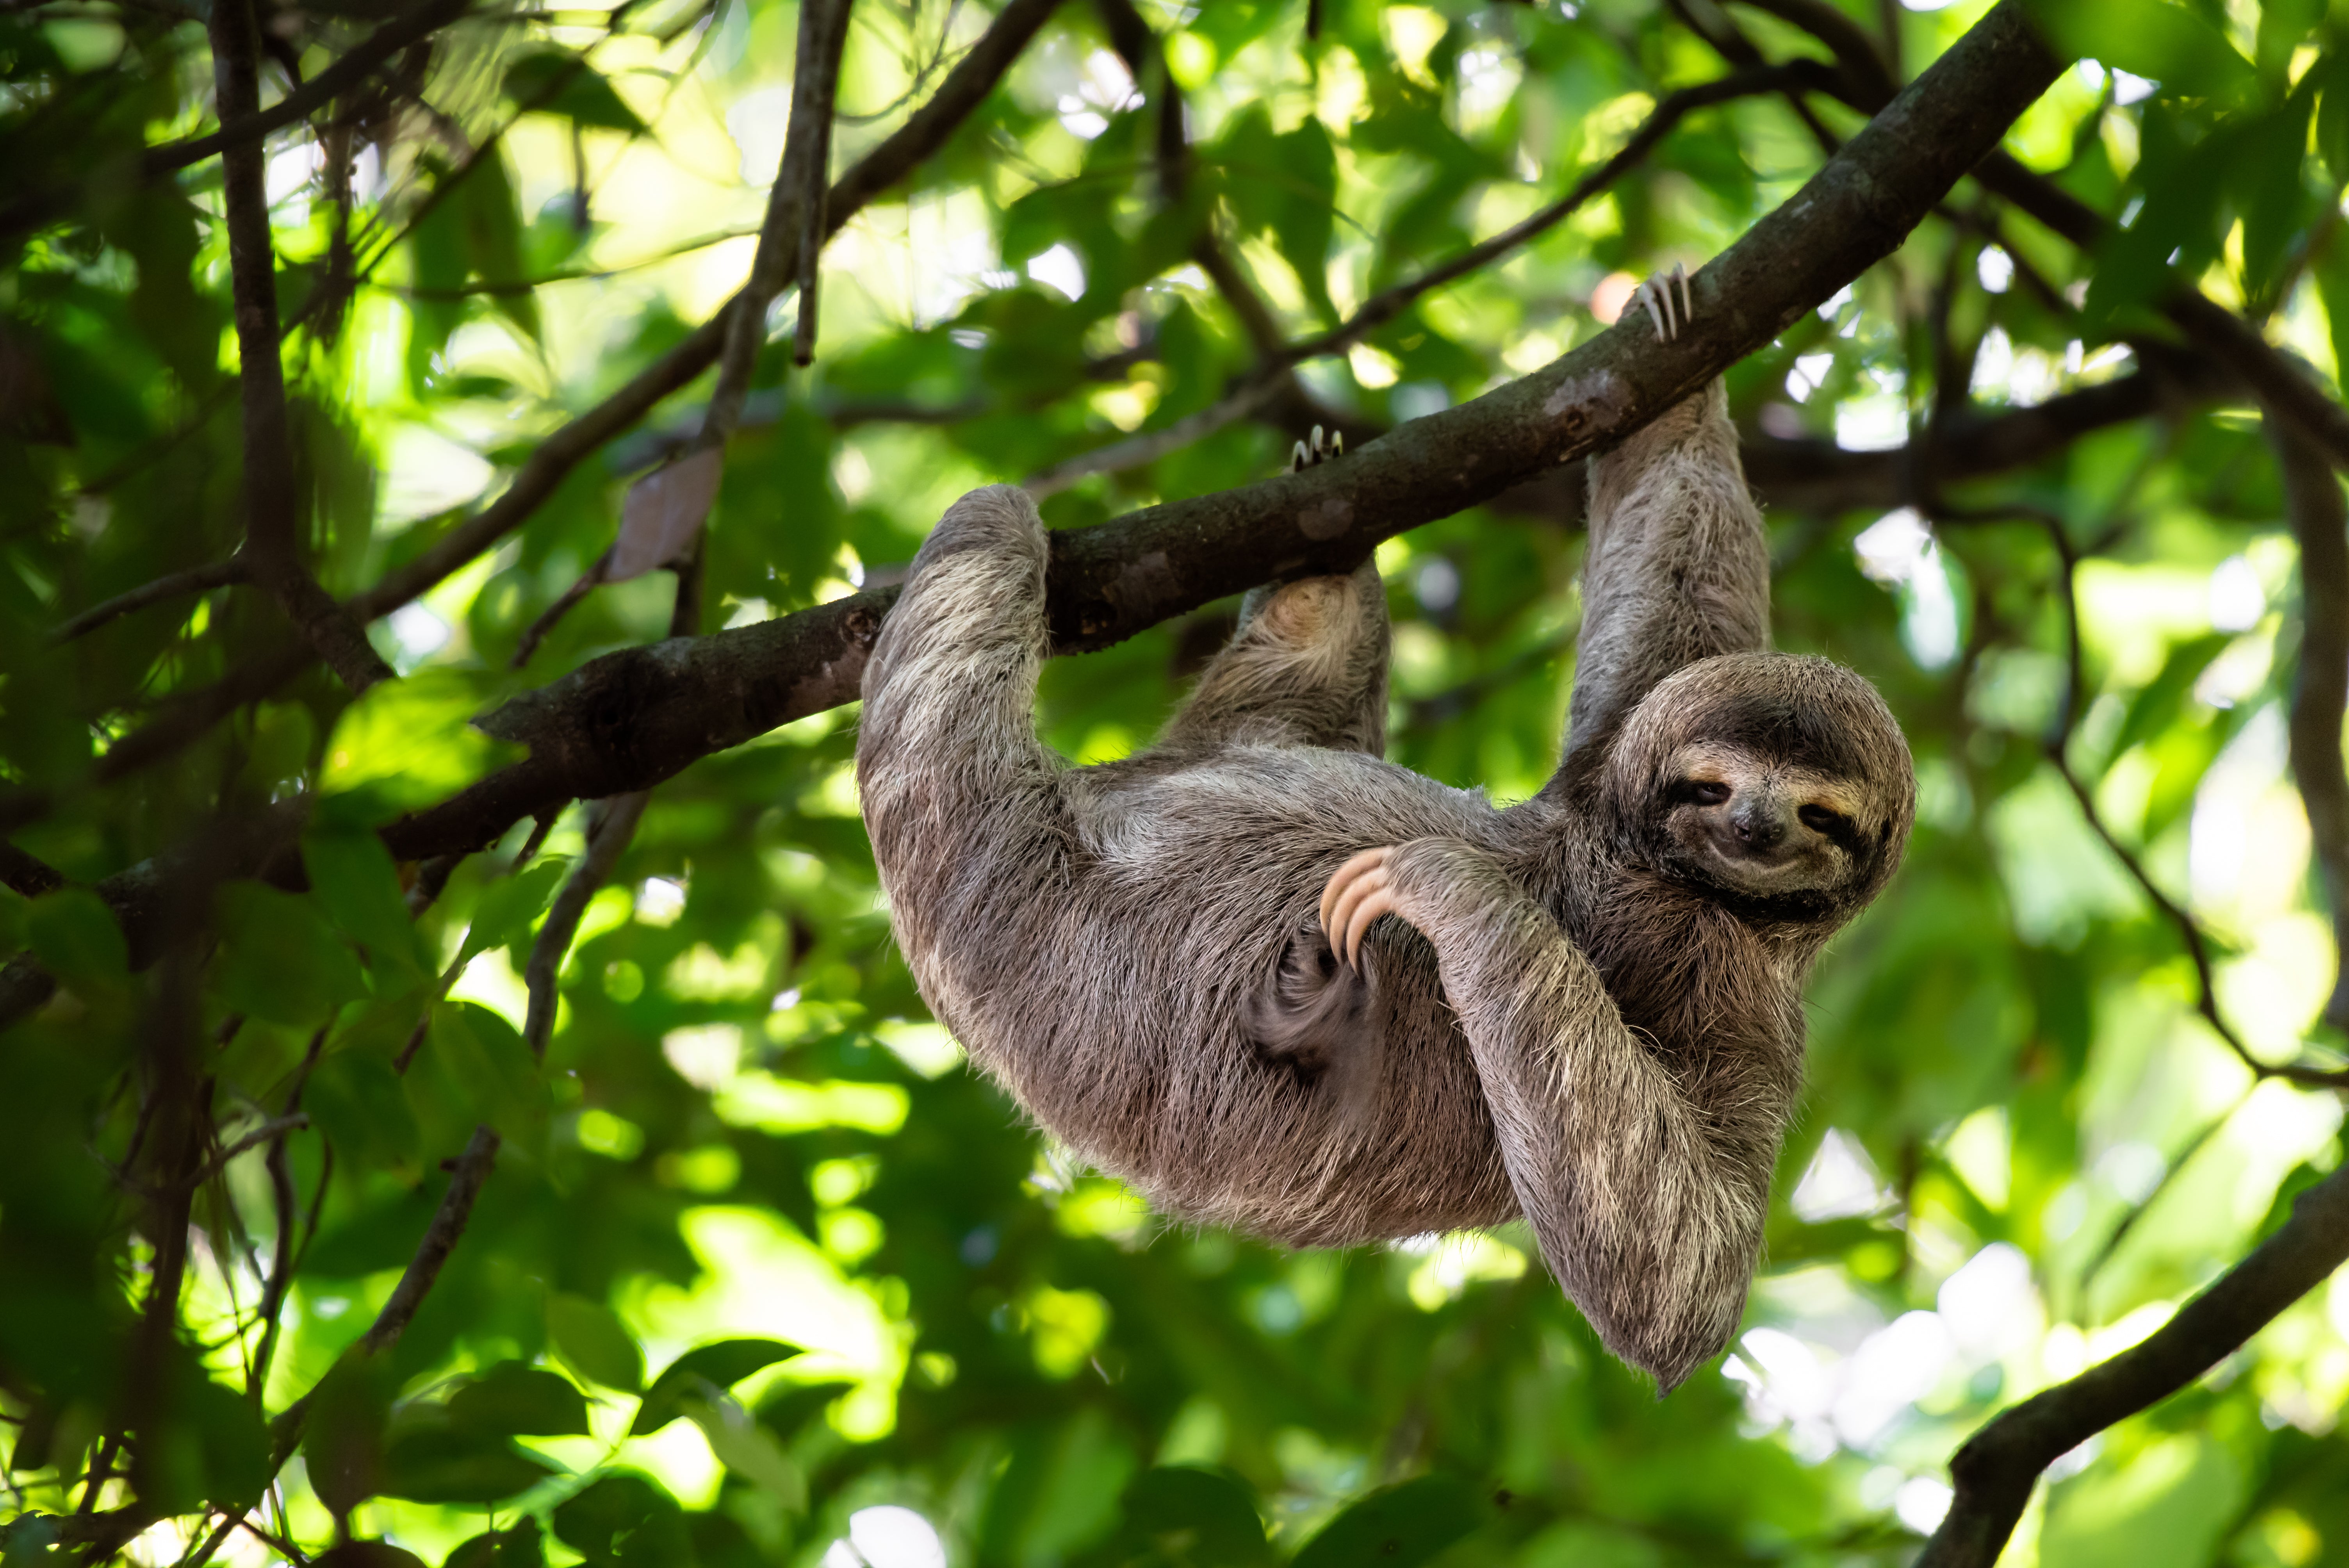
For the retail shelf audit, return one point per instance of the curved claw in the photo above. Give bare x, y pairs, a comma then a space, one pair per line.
1655, 296
1357, 895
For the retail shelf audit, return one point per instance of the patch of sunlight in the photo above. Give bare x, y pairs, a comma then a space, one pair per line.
926, 1049
1103, 1206
1839, 1183
2058, 876
702, 974
760, 1277
2276, 1128
489, 980
705, 1054
2273, 993
426, 472
679, 1458
1411, 34
2130, 614
765, 1103
1064, 1326
1979, 1152
1466, 1258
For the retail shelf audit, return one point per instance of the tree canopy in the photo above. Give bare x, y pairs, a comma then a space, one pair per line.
463, 1105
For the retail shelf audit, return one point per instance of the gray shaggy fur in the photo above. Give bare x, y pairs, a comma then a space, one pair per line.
1579, 1017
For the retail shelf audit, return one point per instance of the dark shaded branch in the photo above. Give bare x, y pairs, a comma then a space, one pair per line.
611, 825
27, 875
1996, 1469
468, 1172
2320, 687
441, 1238
1868, 81
272, 508
267, 1132
194, 580
629, 719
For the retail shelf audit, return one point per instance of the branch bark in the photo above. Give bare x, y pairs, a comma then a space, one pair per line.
1996, 1469
630, 720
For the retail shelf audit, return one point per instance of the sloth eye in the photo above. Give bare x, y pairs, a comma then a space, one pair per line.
1704, 792
1822, 821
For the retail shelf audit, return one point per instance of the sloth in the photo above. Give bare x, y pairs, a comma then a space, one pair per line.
1284, 985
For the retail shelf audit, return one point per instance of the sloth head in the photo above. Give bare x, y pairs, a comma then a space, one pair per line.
1778, 783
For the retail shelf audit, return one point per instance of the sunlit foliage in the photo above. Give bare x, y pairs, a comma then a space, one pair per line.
762, 1275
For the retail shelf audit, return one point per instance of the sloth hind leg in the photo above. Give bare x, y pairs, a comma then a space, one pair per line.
1307, 666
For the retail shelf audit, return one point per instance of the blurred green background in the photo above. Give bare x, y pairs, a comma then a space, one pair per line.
920, 1334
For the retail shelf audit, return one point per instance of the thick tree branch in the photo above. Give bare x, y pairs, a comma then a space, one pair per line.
1998, 1467
2320, 687
629, 719
272, 508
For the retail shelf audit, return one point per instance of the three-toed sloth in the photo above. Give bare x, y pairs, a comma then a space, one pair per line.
1588, 1007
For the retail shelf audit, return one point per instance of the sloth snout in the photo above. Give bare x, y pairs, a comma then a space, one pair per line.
1758, 827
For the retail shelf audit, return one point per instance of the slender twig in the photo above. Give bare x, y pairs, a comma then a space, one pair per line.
272, 508
195, 580
280, 1268
1995, 1471
268, 1131
2320, 687
2198, 947
1675, 106
441, 1238
610, 825
807, 152
1149, 446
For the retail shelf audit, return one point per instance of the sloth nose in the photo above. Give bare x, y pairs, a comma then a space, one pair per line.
1759, 828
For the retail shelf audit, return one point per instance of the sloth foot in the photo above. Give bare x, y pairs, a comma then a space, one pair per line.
1305, 455
1656, 295
1358, 893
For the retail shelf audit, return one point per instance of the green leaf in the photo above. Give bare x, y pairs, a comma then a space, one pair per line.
444, 1464
355, 881
1397, 1526
2151, 38
75, 934
520, 1546
557, 81
505, 910
280, 960
627, 1521
512, 1399
692, 1375
342, 1431
591, 1339
359, 1103
1180, 1517
412, 742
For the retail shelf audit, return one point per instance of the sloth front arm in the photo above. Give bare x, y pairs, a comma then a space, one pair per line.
1648, 1207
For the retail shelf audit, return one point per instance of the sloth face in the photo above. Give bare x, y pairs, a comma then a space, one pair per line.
1757, 824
